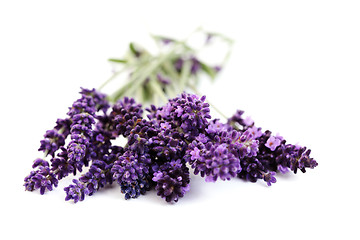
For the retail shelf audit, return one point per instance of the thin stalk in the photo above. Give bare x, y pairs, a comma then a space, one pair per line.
185, 74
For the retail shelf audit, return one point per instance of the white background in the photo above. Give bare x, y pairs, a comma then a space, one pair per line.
294, 69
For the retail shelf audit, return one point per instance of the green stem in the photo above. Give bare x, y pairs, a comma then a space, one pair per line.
111, 78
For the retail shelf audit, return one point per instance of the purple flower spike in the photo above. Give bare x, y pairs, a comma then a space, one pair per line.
76, 191
172, 180
52, 142
124, 116
42, 179
82, 115
245, 144
55, 138
131, 172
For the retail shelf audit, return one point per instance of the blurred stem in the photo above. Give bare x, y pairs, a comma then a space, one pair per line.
157, 89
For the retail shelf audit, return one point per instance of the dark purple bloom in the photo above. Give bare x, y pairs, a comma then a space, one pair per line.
82, 114
168, 144
98, 176
172, 180
251, 169
131, 172
124, 116
188, 112
213, 160
273, 155
40, 162
55, 138
101, 103
42, 179
76, 191
294, 157
158, 149
60, 165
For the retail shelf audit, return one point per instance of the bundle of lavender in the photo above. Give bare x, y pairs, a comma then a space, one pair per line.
165, 140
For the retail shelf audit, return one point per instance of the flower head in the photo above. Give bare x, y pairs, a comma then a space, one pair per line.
273, 143
172, 180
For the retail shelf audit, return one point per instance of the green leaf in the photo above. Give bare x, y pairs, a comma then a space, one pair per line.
117, 60
133, 49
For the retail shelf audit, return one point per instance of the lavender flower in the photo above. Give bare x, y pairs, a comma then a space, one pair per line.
76, 191
82, 115
42, 178
215, 126
172, 180
251, 169
167, 144
98, 176
60, 165
131, 171
158, 148
294, 157
272, 143
213, 160
188, 112
274, 155
218, 152
124, 116
101, 103
244, 144
55, 138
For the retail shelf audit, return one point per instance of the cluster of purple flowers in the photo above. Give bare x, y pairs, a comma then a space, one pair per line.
274, 154
160, 150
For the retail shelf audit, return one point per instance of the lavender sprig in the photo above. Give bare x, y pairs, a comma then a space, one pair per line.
82, 115
98, 176
79, 125
274, 155
41, 178
158, 148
